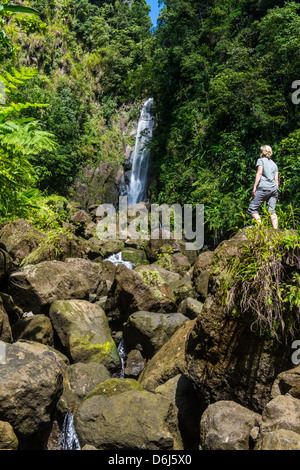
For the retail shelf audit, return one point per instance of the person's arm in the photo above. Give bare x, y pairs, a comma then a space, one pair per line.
276, 179
257, 179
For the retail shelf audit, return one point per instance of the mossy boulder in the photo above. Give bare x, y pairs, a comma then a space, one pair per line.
84, 333
135, 256
130, 420
56, 246
113, 386
8, 439
226, 357
20, 238
134, 291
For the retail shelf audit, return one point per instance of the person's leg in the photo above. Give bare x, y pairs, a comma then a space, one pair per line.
271, 208
256, 217
274, 220
255, 204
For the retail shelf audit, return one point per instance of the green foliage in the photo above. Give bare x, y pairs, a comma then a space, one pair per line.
20, 139
265, 285
221, 76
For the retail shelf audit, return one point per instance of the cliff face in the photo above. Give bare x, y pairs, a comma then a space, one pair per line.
227, 358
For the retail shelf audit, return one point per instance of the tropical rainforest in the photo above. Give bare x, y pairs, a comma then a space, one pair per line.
223, 75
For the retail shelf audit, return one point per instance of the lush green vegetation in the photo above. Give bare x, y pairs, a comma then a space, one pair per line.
221, 74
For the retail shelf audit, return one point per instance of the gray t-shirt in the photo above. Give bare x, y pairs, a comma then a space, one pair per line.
269, 170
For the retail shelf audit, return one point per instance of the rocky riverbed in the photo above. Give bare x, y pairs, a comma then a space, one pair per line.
191, 376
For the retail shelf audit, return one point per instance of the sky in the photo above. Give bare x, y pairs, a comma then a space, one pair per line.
153, 4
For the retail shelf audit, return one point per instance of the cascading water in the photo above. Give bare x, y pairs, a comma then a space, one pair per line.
137, 186
122, 356
117, 258
70, 439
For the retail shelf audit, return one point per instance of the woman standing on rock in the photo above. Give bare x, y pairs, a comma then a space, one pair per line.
265, 186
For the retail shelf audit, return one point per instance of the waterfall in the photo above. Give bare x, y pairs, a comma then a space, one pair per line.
117, 258
137, 186
122, 355
70, 439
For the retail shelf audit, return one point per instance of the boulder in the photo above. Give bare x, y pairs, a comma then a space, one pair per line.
190, 307
5, 329
127, 421
84, 377
175, 262
287, 381
57, 246
151, 330
133, 291
20, 238
8, 439
180, 391
169, 361
113, 386
281, 439
6, 264
134, 364
282, 412
227, 359
30, 385
34, 328
35, 287
98, 185
84, 333
200, 273
226, 425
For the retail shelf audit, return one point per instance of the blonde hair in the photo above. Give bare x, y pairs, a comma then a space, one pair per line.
266, 151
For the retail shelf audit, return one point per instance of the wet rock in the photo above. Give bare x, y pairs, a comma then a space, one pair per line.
287, 382
151, 330
134, 365
226, 425
84, 333
127, 421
